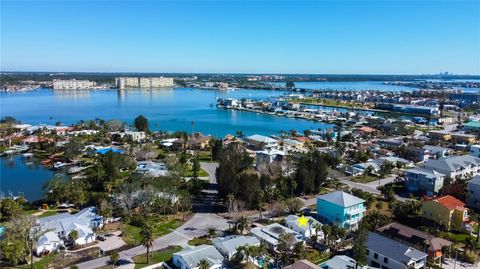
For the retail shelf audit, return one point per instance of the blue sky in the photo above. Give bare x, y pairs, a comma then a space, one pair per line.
357, 37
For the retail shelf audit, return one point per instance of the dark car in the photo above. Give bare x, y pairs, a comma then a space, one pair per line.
101, 237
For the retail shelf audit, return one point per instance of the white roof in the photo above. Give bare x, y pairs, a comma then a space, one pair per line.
292, 221
231, 243
261, 138
341, 198
193, 255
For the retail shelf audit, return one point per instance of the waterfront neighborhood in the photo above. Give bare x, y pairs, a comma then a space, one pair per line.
373, 188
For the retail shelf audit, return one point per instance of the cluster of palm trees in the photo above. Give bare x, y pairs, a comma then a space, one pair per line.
331, 233
248, 253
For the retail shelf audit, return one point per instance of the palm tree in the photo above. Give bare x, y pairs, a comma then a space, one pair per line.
203, 264
114, 258
326, 229
73, 235
212, 232
146, 239
242, 224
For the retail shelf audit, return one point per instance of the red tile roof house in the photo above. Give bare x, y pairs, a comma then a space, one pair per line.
447, 211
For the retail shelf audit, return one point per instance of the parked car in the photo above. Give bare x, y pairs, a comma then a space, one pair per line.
101, 237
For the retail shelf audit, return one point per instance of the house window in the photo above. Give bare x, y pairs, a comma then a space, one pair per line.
385, 260
375, 255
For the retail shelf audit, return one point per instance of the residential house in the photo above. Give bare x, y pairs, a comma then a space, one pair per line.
383, 252
153, 169
473, 197
464, 138
198, 141
446, 211
268, 156
271, 233
342, 262
440, 135
63, 224
258, 142
424, 180
475, 151
130, 135
190, 257
461, 166
417, 239
302, 264
473, 126
313, 227
227, 246
47, 243
292, 145
391, 143
437, 152
341, 208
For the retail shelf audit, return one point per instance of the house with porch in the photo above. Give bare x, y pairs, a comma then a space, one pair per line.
341, 208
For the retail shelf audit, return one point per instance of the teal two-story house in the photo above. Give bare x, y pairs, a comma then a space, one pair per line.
340, 208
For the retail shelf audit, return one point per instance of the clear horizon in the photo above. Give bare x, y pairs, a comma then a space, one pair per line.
311, 38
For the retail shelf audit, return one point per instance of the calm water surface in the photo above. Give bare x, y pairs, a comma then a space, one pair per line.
18, 177
166, 109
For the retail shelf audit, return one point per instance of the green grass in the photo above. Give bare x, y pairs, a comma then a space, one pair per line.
131, 234
197, 241
31, 211
364, 179
455, 237
156, 256
205, 156
42, 263
201, 173
48, 213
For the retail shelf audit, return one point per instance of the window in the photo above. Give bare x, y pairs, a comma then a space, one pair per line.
385, 260
368, 251
375, 255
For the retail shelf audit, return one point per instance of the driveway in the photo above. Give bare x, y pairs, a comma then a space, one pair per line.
210, 168
112, 242
450, 264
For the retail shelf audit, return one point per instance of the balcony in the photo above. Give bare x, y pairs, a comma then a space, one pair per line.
355, 211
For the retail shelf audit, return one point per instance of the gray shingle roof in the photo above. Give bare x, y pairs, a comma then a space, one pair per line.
452, 163
393, 249
341, 198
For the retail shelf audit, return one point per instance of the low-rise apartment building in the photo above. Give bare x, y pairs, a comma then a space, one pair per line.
72, 84
144, 82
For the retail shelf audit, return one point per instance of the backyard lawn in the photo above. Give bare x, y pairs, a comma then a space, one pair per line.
364, 179
131, 234
158, 256
197, 241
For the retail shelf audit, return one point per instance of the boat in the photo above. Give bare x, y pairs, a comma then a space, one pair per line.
76, 169
58, 165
